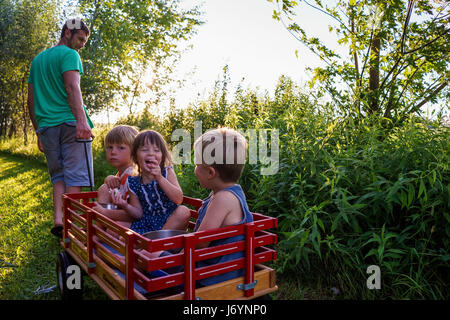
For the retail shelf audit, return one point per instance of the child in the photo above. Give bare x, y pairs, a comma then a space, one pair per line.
155, 195
220, 156
118, 144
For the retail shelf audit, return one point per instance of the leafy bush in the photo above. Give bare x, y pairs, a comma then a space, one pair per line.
349, 193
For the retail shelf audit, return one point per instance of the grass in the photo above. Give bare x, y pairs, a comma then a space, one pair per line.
27, 249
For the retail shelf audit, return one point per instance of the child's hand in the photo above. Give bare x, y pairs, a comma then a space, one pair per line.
152, 167
118, 199
155, 170
112, 182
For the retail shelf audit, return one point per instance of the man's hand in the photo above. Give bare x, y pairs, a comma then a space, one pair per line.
30, 103
39, 143
83, 130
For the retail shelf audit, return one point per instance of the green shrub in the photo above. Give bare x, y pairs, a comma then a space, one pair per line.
349, 193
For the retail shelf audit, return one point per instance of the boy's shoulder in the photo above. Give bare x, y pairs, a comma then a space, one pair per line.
227, 198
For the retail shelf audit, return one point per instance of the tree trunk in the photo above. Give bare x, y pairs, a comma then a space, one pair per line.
374, 74
12, 130
25, 114
355, 59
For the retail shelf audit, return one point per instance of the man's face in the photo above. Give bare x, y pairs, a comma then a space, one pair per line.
77, 40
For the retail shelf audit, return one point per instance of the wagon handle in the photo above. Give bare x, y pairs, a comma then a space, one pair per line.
84, 141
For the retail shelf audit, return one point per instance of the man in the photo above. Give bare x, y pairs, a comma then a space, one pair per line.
59, 116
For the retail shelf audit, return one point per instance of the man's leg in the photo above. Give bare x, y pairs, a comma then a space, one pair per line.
58, 190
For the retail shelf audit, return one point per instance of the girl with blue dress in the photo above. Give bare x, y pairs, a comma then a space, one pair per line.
155, 192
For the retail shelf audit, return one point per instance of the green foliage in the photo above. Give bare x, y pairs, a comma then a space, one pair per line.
27, 249
26, 28
396, 59
128, 39
342, 185
348, 194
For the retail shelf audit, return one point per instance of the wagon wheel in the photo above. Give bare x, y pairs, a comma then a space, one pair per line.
69, 287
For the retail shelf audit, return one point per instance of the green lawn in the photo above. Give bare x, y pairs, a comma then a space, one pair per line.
27, 249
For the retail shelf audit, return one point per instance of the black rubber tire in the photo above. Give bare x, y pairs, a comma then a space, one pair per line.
64, 260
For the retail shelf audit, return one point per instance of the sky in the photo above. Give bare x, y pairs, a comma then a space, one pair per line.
243, 35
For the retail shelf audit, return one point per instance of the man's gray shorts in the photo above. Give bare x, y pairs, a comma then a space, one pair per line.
66, 158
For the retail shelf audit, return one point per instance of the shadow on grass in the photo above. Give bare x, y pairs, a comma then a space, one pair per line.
28, 252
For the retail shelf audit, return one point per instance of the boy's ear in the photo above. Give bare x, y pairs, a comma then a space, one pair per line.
212, 173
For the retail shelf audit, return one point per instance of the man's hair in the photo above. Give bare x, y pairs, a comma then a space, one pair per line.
233, 147
121, 134
74, 25
155, 138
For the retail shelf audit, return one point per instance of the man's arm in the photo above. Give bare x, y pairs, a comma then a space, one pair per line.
75, 100
30, 103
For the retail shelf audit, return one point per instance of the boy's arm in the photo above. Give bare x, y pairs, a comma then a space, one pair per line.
116, 215
171, 187
218, 210
132, 208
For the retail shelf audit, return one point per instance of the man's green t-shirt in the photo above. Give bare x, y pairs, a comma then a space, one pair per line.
51, 105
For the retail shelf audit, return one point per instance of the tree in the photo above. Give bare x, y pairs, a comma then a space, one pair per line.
26, 28
394, 65
129, 39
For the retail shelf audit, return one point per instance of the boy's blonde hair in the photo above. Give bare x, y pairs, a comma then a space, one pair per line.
225, 150
122, 134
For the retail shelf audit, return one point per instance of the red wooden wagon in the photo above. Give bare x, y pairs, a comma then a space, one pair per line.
123, 271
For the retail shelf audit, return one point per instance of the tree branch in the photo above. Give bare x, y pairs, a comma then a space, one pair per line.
402, 42
404, 66
390, 105
327, 13
366, 57
429, 42
94, 16
435, 92
405, 26
355, 58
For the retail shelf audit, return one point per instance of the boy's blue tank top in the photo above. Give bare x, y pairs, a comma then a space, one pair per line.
239, 193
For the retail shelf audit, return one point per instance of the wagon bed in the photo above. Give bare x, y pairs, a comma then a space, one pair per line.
123, 271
